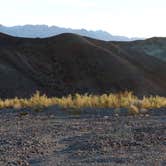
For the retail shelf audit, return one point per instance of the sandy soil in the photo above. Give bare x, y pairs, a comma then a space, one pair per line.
57, 137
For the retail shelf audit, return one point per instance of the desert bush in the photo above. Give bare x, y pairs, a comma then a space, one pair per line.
120, 100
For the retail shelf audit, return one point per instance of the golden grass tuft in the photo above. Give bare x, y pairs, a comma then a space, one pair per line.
120, 100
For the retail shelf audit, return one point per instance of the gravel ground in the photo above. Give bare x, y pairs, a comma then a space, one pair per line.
57, 137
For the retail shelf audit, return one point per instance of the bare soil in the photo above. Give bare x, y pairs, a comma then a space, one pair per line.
69, 64
57, 137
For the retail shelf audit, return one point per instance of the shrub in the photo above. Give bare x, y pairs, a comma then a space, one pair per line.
120, 100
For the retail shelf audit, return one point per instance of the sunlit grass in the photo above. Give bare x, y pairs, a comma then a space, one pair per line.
120, 100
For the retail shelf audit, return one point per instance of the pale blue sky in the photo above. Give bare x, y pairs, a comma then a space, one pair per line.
141, 18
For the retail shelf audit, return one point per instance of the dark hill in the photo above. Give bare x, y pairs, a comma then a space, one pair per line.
153, 47
70, 63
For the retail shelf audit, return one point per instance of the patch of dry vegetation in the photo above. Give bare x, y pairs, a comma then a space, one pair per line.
120, 100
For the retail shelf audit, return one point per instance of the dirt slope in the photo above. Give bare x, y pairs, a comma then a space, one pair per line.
69, 63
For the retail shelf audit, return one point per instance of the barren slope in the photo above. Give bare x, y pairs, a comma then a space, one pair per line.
70, 63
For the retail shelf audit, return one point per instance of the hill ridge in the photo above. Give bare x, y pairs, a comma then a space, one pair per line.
70, 63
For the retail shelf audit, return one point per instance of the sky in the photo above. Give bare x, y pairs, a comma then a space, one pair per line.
132, 18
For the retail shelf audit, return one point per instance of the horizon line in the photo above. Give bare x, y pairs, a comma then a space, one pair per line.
94, 30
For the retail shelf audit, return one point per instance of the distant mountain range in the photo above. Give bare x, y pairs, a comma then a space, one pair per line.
43, 31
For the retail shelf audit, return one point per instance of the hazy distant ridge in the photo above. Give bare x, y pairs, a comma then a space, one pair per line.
42, 31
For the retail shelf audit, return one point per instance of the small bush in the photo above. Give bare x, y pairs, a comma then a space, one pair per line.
122, 100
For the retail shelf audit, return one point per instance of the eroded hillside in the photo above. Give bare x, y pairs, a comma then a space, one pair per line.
70, 63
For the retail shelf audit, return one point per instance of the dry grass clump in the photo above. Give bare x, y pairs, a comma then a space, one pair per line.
120, 100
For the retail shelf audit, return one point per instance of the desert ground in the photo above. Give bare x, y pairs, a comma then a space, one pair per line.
97, 137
